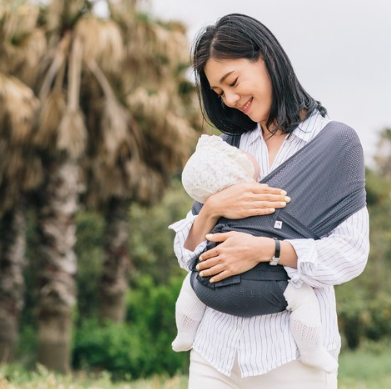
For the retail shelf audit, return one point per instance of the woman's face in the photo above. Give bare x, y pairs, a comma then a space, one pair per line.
242, 84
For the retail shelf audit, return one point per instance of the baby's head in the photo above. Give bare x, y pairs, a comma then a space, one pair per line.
216, 165
257, 169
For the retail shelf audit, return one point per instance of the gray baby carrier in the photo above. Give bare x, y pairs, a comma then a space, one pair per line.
326, 182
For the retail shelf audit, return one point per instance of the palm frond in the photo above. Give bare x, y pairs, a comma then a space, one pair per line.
102, 42
72, 132
117, 128
58, 63
53, 109
18, 109
22, 44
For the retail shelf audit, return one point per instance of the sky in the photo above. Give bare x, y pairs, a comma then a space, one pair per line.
340, 50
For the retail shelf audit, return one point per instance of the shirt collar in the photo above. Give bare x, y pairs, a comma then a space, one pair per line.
255, 134
310, 126
304, 131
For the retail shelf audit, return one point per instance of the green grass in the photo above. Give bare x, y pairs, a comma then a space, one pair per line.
365, 369
15, 377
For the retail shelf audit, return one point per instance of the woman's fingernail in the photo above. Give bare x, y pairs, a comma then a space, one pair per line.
200, 257
212, 280
283, 203
208, 236
287, 199
201, 274
283, 192
198, 267
272, 209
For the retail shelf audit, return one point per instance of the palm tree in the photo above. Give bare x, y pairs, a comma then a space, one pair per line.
61, 138
21, 47
146, 135
93, 82
116, 118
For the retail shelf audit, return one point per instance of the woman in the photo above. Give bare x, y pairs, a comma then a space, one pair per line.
247, 86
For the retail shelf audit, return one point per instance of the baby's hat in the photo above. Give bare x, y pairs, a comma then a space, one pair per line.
214, 166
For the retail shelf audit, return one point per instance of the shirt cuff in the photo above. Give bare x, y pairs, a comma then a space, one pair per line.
306, 253
182, 229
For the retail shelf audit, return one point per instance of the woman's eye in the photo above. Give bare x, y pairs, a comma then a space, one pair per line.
234, 83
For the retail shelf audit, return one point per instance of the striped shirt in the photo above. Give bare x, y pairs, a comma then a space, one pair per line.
263, 343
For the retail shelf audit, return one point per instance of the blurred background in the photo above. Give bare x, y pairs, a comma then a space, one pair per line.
98, 114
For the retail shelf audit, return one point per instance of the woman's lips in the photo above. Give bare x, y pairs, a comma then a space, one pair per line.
246, 107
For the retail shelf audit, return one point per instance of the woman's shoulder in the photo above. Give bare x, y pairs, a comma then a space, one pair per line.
341, 130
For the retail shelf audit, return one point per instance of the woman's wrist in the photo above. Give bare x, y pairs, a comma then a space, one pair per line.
266, 249
210, 208
288, 256
202, 225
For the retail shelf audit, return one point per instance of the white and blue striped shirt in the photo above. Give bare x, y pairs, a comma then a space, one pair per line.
263, 343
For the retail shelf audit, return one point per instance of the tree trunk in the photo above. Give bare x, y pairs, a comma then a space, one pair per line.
12, 263
114, 281
57, 287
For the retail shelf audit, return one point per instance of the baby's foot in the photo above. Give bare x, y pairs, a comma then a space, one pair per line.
182, 343
320, 358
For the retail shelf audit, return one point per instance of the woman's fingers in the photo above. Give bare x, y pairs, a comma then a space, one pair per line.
261, 188
247, 199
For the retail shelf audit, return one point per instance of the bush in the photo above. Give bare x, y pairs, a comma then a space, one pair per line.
115, 347
142, 346
363, 315
151, 242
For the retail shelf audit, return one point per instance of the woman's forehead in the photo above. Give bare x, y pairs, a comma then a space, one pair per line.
217, 70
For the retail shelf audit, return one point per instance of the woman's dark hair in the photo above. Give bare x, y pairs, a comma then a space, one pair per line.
237, 36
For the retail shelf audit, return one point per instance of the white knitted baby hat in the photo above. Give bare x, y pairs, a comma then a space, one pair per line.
214, 166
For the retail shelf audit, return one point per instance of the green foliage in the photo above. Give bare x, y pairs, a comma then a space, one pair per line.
352, 312
152, 307
377, 187
379, 326
115, 347
151, 242
367, 368
140, 347
364, 304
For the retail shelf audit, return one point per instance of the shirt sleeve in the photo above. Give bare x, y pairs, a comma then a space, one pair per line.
182, 229
336, 258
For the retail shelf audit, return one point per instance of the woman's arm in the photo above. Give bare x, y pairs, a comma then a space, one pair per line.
239, 252
331, 260
235, 202
190, 232
336, 258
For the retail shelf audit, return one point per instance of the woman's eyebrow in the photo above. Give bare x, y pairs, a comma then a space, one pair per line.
222, 79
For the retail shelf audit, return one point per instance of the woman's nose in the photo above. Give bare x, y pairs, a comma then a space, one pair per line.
230, 99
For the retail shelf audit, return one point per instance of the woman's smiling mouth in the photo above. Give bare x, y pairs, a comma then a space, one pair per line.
246, 107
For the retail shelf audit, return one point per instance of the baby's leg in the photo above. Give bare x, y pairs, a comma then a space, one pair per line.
306, 327
188, 314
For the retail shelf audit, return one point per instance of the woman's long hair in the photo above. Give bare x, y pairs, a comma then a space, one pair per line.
238, 36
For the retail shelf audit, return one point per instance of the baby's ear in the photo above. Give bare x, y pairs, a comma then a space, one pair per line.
257, 169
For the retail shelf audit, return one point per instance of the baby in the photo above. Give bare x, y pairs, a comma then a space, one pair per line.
215, 165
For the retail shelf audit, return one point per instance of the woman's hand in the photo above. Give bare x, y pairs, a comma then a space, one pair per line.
238, 201
246, 199
236, 253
